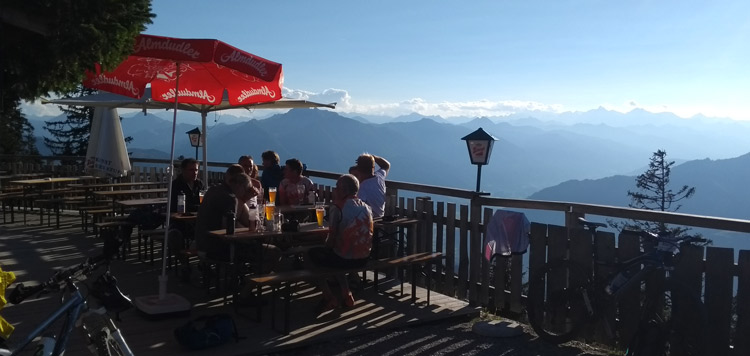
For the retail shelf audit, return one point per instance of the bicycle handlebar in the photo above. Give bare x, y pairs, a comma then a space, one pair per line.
669, 237
590, 224
20, 292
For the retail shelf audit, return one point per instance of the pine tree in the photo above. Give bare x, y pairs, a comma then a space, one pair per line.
70, 136
16, 133
654, 193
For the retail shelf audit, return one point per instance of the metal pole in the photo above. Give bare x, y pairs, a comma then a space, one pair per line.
479, 176
196, 152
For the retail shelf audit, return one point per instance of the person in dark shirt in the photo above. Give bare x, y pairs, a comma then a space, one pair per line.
272, 172
189, 184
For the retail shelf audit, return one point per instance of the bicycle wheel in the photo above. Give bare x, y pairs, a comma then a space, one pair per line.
673, 323
559, 301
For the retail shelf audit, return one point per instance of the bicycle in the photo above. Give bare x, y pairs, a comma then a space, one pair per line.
103, 336
565, 296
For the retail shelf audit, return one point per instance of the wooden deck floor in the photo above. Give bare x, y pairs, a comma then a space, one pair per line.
33, 251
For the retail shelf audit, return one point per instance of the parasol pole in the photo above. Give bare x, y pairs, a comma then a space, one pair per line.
170, 168
204, 113
163, 303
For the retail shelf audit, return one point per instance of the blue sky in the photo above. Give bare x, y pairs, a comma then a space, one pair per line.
490, 57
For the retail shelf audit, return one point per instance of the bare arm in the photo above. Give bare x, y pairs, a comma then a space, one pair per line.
382, 163
243, 214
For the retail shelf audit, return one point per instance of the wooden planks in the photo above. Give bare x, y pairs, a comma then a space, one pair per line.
718, 301
742, 343
34, 252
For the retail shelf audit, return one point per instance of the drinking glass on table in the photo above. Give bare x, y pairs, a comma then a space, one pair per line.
319, 212
272, 194
269, 209
200, 196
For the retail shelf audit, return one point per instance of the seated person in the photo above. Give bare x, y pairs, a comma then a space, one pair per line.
348, 244
187, 183
294, 187
251, 170
272, 172
371, 181
218, 202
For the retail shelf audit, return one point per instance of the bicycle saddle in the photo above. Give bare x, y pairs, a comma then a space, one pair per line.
105, 289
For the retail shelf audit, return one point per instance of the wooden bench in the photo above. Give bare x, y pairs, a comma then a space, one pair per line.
149, 236
9, 202
95, 211
51, 204
286, 278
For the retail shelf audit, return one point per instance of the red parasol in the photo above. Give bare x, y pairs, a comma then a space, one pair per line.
207, 68
194, 71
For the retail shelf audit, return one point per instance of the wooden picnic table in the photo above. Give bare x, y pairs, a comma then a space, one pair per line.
117, 185
32, 186
114, 194
90, 188
245, 236
135, 203
43, 181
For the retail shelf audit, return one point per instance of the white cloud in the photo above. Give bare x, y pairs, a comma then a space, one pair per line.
448, 109
339, 96
36, 108
444, 109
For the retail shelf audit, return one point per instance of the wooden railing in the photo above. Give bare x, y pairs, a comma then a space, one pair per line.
452, 221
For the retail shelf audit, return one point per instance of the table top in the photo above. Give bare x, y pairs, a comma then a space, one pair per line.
143, 202
243, 233
184, 216
45, 180
130, 191
115, 185
297, 208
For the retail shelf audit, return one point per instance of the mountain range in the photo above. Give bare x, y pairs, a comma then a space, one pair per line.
530, 154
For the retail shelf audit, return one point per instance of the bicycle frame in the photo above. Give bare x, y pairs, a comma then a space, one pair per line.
650, 261
72, 308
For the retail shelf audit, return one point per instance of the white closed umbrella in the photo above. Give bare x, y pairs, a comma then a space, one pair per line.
106, 155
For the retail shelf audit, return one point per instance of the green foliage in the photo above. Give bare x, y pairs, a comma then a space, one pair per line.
74, 36
70, 137
654, 193
16, 133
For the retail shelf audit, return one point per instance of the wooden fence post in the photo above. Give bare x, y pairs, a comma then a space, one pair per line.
475, 250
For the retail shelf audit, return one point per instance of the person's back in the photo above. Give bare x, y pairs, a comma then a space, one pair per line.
372, 182
217, 202
354, 229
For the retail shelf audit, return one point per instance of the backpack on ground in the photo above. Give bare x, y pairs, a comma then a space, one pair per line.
207, 331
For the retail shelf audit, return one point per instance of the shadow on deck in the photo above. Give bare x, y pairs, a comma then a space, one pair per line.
34, 251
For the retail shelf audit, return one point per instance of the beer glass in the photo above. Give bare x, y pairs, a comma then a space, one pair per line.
319, 212
270, 208
272, 194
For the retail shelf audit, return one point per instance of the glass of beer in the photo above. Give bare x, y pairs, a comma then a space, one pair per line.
271, 195
319, 212
270, 208
200, 196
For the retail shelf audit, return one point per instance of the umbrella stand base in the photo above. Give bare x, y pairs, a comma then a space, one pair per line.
172, 305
